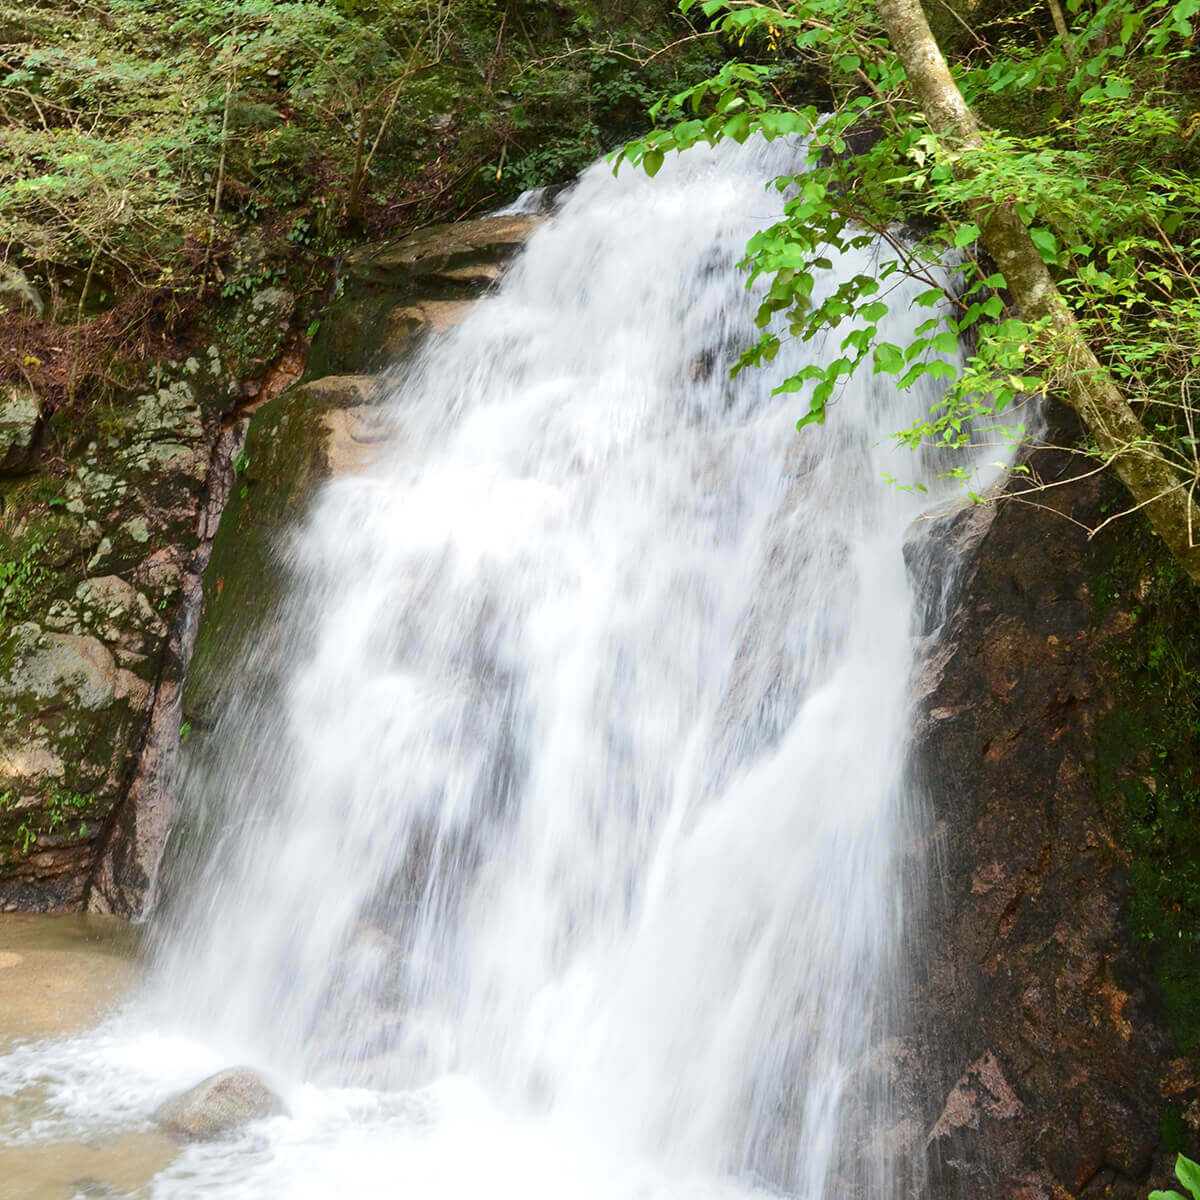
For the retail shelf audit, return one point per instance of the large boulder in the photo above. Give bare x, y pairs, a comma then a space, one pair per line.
467, 251
218, 1105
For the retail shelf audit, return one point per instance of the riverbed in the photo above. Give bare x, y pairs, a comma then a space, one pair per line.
60, 975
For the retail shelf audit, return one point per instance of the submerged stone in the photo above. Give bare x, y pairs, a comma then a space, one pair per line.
218, 1105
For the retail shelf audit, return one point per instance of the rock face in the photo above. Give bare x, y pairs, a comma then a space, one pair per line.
20, 412
393, 293
218, 1105
96, 566
1040, 1065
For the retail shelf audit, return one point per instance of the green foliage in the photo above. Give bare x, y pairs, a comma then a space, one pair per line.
21, 581
62, 809
159, 152
1088, 138
59, 814
1188, 1173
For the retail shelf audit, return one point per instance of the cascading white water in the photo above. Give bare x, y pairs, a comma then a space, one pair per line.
563, 860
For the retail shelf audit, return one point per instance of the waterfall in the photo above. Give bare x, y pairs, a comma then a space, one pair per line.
562, 858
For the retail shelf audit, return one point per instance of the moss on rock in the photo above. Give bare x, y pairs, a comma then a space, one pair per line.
1147, 761
287, 453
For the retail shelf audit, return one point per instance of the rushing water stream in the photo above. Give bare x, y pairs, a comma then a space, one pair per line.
553, 852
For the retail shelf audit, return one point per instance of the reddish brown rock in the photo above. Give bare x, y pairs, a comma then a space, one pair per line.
1039, 1048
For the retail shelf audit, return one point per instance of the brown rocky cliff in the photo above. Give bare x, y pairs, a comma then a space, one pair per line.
1040, 1043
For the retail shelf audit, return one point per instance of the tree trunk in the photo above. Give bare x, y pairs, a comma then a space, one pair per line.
1090, 390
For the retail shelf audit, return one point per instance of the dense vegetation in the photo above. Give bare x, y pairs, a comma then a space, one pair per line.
165, 157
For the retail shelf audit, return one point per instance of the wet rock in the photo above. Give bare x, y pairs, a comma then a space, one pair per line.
396, 293
20, 411
429, 316
339, 391
311, 432
356, 438
442, 248
1038, 1037
218, 1105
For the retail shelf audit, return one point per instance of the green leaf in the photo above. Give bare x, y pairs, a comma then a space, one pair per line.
816, 416
1046, 243
965, 235
944, 343
651, 161
941, 370
888, 358
1166, 1196
859, 339
1188, 1173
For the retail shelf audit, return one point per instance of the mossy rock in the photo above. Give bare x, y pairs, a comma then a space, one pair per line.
306, 435
71, 712
393, 292
20, 416
448, 252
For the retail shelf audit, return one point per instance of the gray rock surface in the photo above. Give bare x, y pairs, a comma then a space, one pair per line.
218, 1105
20, 410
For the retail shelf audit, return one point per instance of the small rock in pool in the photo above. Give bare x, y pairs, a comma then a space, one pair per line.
219, 1104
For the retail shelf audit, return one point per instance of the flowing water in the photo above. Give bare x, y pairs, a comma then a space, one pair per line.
551, 847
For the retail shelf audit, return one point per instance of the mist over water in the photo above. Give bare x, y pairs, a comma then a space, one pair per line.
551, 846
